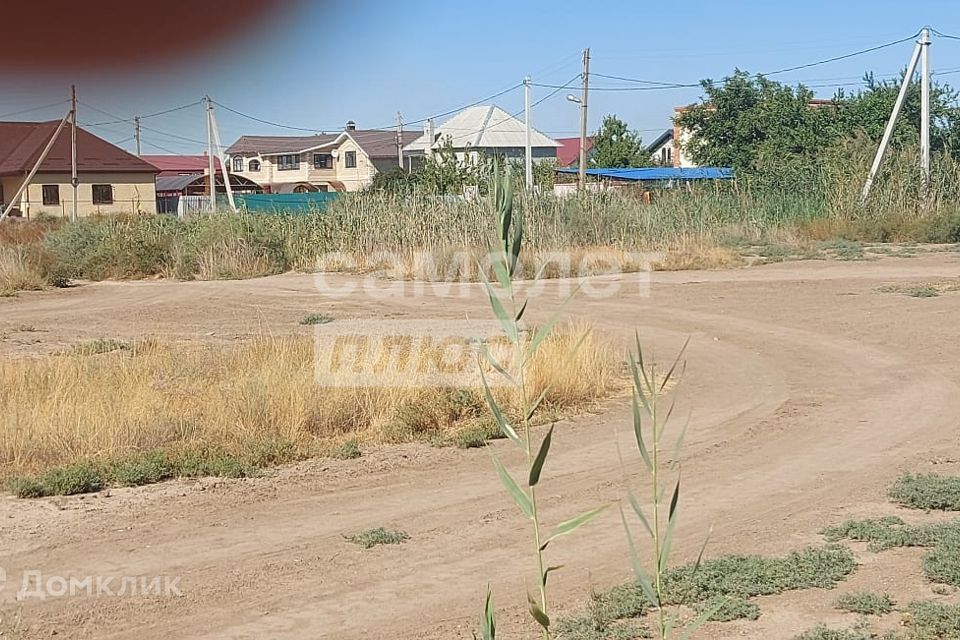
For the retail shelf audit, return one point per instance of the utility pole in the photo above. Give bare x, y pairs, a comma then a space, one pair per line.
400, 139
136, 132
74, 179
582, 174
888, 132
224, 164
528, 147
212, 167
925, 112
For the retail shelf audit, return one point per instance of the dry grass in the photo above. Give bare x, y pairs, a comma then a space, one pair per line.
84, 405
18, 272
699, 256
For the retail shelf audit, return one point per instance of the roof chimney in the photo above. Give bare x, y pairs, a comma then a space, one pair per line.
351, 125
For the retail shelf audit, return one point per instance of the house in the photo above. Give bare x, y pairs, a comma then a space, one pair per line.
110, 179
483, 131
568, 153
661, 149
345, 161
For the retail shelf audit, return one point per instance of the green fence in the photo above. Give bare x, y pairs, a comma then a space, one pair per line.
285, 202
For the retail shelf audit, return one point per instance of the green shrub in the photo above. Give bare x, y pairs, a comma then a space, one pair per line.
26, 487
316, 318
476, 435
934, 621
942, 563
727, 609
82, 477
927, 491
372, 537
823, 633
150, 468
865, 603
349, 450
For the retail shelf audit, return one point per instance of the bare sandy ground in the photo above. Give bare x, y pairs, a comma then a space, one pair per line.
808, 391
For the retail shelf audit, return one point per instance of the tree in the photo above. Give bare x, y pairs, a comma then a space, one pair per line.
757, 125
615, 145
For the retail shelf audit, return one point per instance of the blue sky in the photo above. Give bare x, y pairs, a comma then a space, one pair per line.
323, 63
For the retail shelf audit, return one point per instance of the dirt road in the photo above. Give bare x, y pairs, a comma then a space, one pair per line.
808, 392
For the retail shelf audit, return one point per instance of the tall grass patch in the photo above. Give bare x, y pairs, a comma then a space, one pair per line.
103, 405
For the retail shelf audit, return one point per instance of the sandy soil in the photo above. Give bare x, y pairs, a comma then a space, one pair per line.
808, 393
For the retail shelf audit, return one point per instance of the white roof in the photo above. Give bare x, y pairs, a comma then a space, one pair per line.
483, 127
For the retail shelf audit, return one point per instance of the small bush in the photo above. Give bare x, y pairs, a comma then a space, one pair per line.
212, 462
927, 491
100, 345
152, 467
942, 563
349, 450
889, 532
316, 318
373, 537
934, 621
728, 609
476, 436
26, 487
823, 633
865, 603
82, 477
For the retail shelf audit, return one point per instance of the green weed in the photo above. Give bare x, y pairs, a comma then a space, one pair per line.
372, 537
316, 318
866, 603
349, 450
927, 491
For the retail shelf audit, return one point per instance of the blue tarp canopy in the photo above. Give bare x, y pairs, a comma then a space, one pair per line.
659, 174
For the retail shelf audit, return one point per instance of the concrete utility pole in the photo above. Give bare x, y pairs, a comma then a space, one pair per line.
136, 132
224, 164
74, 179
400, 139
925, 111
582, 174
897, 106
528, 147
212, 167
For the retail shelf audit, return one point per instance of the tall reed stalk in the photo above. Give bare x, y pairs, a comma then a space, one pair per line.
659, 519
509, 310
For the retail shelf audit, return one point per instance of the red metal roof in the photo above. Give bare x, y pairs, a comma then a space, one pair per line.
181, 165
22, 142
569, 150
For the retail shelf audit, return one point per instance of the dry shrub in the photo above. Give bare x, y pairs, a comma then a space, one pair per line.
694, 257
73, 406
232, 259
19, 271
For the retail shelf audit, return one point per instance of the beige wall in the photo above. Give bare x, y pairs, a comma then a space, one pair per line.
132, 193
353, 179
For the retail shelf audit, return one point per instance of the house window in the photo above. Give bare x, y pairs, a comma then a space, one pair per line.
322, 161
238, 163
103, 194
254, 165
350, 159
288, 162
51, 194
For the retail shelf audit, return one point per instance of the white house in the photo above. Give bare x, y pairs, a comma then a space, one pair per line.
483, 130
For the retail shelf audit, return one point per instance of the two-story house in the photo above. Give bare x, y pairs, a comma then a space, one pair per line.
345, 161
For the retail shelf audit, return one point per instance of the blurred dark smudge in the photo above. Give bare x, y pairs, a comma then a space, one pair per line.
116, 35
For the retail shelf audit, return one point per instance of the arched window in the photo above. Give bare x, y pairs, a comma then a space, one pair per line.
238, 163
253, 165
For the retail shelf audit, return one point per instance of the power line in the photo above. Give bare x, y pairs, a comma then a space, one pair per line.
843, 57
31, 109
172, 135
120, 120
472, 104
272, 124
